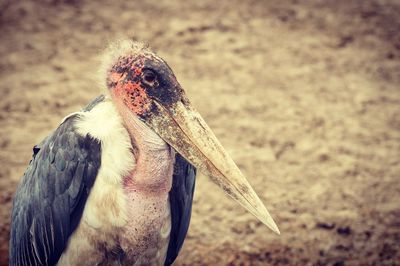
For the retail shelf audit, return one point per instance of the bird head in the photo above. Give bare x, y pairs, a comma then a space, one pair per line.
142, 83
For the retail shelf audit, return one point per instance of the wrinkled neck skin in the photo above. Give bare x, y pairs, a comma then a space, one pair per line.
154, 157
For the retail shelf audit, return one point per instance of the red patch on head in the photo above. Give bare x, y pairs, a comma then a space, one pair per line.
136, 98
129, 90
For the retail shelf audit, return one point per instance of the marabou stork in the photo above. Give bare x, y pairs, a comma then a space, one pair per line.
114, 183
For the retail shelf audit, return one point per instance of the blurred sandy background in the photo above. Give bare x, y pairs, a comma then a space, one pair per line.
305, 95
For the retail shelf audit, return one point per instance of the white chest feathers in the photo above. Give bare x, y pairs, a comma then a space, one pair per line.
119, 225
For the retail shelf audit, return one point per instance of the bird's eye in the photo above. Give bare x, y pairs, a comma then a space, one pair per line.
149, 77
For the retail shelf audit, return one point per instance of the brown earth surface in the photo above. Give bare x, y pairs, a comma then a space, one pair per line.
305, 96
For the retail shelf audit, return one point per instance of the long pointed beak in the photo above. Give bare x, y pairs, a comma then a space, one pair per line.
182, 127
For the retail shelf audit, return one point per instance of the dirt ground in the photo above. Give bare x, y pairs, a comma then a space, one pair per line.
305, 95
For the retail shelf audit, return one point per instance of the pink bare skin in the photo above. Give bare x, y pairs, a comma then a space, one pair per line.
147, 188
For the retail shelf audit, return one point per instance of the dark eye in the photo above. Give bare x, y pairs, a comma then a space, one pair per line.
149, 76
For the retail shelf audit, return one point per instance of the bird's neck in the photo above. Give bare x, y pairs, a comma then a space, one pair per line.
154, 168
154, 158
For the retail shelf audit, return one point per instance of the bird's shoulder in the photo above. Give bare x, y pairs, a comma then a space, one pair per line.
49, 200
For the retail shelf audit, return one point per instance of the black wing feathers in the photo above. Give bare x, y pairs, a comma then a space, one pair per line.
49, 201
181, 198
